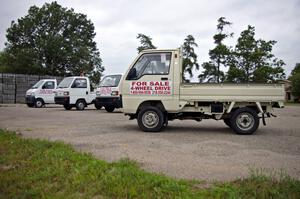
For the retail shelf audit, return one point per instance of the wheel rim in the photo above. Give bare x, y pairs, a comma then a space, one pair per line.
245, 121
150, 119
39, 103
80, 105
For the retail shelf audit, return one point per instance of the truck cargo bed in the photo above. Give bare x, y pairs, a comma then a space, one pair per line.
232, 92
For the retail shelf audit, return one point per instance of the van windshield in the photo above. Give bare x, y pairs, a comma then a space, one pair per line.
110, 81
38, 84
66, 82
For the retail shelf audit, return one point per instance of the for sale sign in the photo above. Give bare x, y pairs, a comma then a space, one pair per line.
151, 88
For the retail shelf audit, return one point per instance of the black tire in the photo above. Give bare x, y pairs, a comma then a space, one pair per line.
227, 122
80, 105
30, 105
67, 106
244, 121
155, 119
97, 106
39, 103
109, 109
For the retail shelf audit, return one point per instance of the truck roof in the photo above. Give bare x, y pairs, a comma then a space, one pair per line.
158, 50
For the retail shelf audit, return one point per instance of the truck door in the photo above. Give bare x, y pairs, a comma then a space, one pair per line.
79, 90
47, 91
150, 78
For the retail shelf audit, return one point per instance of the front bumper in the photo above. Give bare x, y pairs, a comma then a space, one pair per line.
64, 100
29, 99
109, 101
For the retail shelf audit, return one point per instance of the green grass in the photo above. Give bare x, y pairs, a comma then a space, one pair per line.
31, 168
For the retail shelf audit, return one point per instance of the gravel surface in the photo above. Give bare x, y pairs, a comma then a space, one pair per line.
186, 149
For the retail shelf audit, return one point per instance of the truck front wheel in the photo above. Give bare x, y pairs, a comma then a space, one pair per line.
39, 103
244, 121
80, 105
110, 109
150, 119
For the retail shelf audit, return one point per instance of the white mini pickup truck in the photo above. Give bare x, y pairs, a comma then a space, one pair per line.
41, 93
153, 93
108, 93
74, 91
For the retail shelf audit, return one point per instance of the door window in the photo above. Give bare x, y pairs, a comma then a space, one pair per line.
49, 85
150, 64
80, 83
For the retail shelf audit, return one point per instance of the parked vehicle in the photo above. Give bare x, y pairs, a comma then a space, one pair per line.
108, 93
74, 92
153, 93
41, 93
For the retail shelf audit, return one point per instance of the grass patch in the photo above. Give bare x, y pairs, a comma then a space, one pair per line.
31, 168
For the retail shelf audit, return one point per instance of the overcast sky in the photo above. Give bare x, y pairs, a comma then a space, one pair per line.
117, 23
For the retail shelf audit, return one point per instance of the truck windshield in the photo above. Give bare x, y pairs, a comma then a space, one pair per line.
38, 84
111, 81
66, 82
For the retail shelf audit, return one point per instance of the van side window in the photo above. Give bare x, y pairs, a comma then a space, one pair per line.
48, 85
150, 64
79, 83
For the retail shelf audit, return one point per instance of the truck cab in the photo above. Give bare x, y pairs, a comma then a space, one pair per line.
153, 92
108, 93
74, 91
41, 93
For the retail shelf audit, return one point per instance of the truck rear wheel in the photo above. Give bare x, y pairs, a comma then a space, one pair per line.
227, 122
244, 121
67, 106
80, 105
150, 119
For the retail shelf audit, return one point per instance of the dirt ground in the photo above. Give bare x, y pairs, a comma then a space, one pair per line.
186, 149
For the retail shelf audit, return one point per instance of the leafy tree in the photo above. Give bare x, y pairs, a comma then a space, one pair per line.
52, 40
252, 60
295, 78
189, 56
218, 56
146, 42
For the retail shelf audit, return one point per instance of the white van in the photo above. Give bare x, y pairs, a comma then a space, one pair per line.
108, 93
74, 91
41, 93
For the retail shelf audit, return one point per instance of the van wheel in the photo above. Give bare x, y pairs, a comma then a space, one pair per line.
109, 109
67, 106
150, 119
244, 121
97, 106
80, 105
227, 122
39, 103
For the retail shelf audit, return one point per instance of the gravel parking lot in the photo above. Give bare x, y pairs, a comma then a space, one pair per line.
186, 149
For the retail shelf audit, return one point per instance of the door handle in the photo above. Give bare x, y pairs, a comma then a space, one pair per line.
164, 78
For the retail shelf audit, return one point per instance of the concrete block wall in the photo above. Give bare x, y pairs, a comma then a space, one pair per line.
13, 87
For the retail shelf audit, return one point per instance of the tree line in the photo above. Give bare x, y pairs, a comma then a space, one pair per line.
250, 60
53, 40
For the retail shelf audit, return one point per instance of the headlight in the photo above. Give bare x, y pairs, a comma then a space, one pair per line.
98, 93
115, 93
66, 93
32, 94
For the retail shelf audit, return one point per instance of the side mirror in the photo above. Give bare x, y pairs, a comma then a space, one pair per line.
44, 86
131, 74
